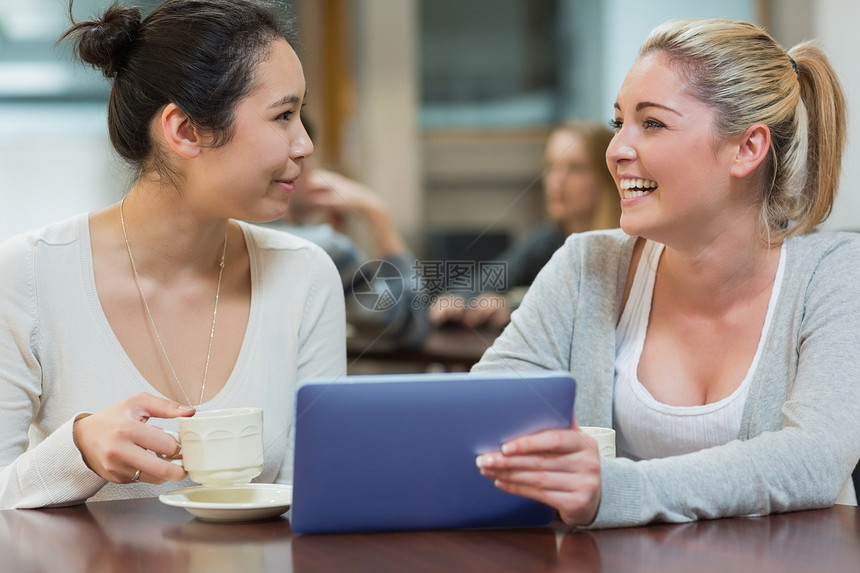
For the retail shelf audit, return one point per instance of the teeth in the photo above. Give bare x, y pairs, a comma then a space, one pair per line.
632, 194
638, 184
637, 187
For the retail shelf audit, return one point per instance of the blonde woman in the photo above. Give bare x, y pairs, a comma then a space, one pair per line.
718, 332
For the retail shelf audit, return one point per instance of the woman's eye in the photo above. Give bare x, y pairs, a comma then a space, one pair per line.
288, 115
652, 124
615, 124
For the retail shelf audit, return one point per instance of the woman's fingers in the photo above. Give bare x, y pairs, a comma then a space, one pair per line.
576, 495
543, 480
154, 469
478, 316
550, 442
116, 442
446, 308
487, 308
145, 406
567, 463
576, 506
546, 481
155, 446
558, 467
156, 440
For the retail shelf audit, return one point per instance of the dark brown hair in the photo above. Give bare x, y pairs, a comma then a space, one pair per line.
197, 54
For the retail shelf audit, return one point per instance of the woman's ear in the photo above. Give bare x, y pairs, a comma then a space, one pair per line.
179, 133
753, 147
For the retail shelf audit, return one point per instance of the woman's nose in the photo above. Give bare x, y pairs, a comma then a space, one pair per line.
552, 177
620, 149
301, 146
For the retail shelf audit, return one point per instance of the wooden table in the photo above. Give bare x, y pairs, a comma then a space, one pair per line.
147, 536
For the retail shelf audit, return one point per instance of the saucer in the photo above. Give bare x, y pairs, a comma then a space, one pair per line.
247, 502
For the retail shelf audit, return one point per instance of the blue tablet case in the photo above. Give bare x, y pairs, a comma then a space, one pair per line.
397, 452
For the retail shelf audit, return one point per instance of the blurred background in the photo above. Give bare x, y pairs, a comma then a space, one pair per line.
442, 106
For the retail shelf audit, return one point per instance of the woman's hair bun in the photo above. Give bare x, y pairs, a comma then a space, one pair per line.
107, 42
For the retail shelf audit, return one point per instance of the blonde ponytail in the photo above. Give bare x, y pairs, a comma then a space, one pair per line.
824, 102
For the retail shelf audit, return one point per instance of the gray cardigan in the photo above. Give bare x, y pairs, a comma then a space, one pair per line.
800, 433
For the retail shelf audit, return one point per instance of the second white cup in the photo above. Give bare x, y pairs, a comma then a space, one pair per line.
605, 439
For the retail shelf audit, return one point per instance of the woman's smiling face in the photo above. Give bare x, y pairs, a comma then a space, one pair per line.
671, 169
255, 172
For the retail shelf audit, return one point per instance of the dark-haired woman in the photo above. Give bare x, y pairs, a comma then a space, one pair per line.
165, 302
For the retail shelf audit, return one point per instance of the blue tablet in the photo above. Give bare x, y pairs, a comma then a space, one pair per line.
397, 452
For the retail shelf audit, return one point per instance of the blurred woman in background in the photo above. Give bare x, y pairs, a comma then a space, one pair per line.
579, 196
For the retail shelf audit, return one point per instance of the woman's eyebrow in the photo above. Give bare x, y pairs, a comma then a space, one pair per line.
646, 104
288, 100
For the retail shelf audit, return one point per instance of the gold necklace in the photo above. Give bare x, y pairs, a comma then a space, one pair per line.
152, 322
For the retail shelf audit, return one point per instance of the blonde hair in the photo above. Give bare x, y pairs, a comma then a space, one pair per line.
596, 137
746, 77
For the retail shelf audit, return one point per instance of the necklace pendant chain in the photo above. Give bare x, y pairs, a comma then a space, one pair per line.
152, 321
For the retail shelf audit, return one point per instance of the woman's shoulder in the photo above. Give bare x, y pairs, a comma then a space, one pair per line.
825, 247
62, 232
19, 256
275, 239
600, 244
822, 262
593, 258
606, 237
277, 249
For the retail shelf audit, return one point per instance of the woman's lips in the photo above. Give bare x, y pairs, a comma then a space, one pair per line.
287, 186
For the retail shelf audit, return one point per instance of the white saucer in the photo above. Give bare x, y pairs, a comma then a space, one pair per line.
233, 502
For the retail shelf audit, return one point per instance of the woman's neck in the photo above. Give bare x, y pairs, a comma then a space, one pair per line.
718, 274
166, 235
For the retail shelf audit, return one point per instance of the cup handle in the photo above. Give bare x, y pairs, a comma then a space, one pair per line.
175, 435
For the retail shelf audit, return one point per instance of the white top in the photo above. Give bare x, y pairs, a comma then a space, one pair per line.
647, 428
60, 357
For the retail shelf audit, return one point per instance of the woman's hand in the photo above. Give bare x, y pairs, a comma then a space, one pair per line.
560, 468
490, 309
446, 308
117, 442
342, 198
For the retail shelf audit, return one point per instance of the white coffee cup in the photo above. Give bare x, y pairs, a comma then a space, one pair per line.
605, 439
222, 447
